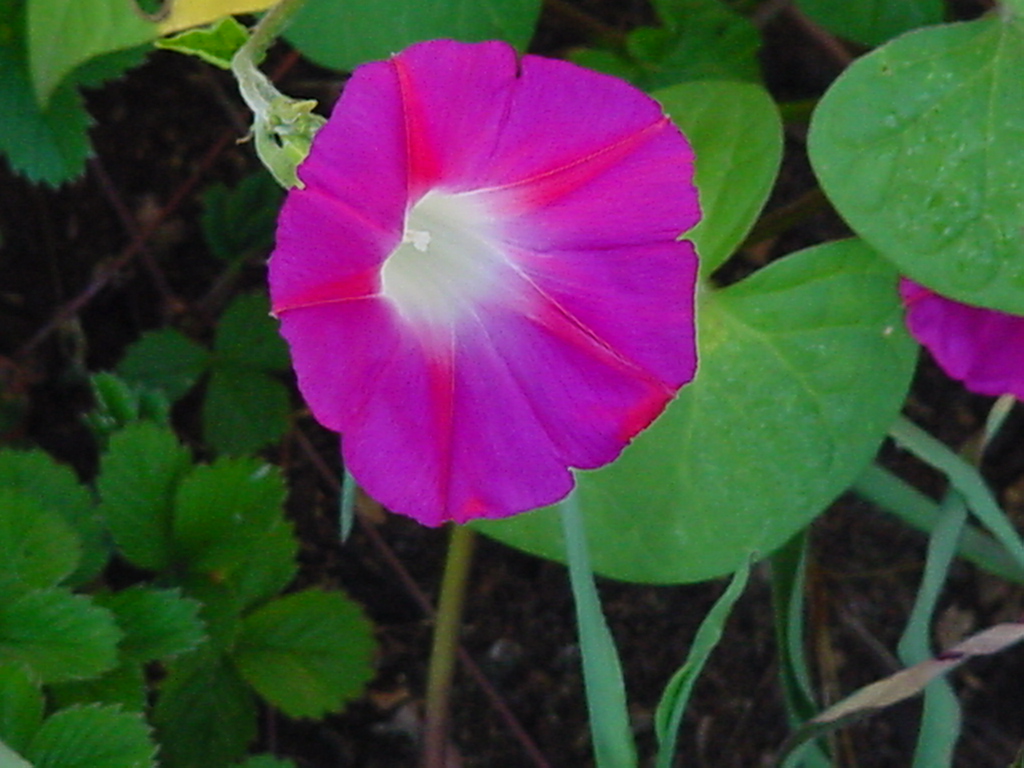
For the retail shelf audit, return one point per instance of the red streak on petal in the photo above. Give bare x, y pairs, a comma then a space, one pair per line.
424, 162
543, 188
441, 382
365, 285
562, 323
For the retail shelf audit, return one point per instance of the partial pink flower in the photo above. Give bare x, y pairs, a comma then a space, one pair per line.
983, 348
481, 282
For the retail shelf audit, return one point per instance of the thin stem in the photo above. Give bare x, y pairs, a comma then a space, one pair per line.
256, 89
447, 623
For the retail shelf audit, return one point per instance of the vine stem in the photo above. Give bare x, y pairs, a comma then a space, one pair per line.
257, 91
447, 623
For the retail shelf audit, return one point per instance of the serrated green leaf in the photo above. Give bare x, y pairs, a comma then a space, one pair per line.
344, 33
736, 133
244, 411
223, 510
920, 147
45, 145
62, 34
165, 359
117, 404
215, 44
247, 335
93, 737
239, 222
138, 478
157, 623
55, 488
21, 706
700, 40
205, 715
124, 686
59, 635
39, 548
872, 22
307, 653
270, 566
804, 365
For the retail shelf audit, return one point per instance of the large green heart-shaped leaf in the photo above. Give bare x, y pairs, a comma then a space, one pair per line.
803, 366
344, 33
920, 146
736, 133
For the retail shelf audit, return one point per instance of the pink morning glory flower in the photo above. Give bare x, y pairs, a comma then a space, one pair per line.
983, 348
482, 282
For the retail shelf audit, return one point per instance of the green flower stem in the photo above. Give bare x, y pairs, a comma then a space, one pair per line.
283, 127
256, 89
447, 622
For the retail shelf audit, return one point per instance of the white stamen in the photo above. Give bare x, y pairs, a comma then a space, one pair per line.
462, 266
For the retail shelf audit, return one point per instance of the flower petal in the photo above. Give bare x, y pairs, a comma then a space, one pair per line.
481, 283
983, 348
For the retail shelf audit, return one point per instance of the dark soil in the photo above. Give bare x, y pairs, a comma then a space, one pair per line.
166, 132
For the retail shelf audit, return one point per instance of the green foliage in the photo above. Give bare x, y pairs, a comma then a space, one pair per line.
42, 483
246, 407
239, 222
140, 473
872, 22
288, 651
206, 714
42, 120
919, 146
804, 365
344, 33
63, 34
21, 706
92, 737
221, 551
214, 44
736, 134
698, 40
58, 635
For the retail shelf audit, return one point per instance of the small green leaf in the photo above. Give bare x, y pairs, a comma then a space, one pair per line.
343, 33
205, 715
872, 22
920, 147
165, 359
56, 488
117, 404
21, 706
244, 410
93, 737
223, 510
45, 145
247, 335
157, 623
736, 135
124, 686
239, 222
804, 366
59, 635
62, 34
138, 478
39, 548
215, 44
307, 653
269, 567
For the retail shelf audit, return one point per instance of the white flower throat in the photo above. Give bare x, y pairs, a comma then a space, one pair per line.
447, 261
